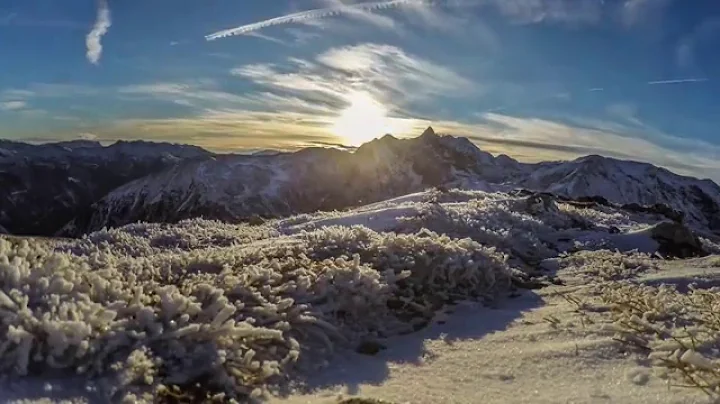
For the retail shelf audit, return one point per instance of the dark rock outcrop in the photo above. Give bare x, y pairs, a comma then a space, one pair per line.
676, 240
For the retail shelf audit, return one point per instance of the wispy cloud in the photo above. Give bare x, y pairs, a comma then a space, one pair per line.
700, 35
302, 16
448, 15
388, 73
47, 90
93, 40
12, 105
562, 11
678, 81
269, 38
639, 12
366, 16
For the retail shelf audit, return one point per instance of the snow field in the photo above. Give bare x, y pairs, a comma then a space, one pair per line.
246, 311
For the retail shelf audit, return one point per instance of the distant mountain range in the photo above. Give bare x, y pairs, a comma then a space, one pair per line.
43, 187
73, 188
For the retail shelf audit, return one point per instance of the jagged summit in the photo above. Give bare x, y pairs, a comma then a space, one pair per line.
428, 132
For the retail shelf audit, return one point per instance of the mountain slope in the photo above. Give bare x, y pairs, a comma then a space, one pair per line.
45, 186
234, 188
629, 182
281, 308
100, 187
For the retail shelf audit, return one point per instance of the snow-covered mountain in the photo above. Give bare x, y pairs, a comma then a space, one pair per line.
235, 187
240, 187
42, 187
629, 182
79, 187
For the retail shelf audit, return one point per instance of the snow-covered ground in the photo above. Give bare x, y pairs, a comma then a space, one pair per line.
275, 310
530, 349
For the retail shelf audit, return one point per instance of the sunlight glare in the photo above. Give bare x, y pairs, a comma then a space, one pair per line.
363, 120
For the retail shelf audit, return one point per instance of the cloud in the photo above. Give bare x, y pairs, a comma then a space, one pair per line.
677, 81
388, 73
634, 12
94, 37
319, 86
622, 110
539, 139
46, 90
301, 36
562, 11
430, 13
362, 15
206, 95
12, 105
685, 50
269, 38
316, 14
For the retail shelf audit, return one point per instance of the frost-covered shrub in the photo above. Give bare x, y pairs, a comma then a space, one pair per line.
144, 239
494, 223
460, 196
598, 215
710, 246
605, 264
238, 316
679, 332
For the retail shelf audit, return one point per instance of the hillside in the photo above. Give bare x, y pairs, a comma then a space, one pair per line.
240, 188
46, 186
275, 310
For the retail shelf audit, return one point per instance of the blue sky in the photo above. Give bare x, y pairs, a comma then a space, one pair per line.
534, 79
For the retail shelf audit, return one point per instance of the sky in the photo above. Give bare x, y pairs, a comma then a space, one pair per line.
537, 80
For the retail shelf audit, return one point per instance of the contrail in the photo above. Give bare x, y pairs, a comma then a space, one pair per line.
677, 81
313, 15
93, 39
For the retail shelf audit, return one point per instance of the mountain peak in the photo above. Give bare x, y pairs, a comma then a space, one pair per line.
428, 132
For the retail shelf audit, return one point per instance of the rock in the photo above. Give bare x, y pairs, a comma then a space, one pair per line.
658, 209
595, 199
256, 220
520, 192
526, 282
370, 348
677, 240
540, 202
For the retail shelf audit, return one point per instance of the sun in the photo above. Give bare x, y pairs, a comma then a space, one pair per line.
363, 120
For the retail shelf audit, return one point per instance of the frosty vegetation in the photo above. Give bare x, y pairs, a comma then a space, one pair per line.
155, 309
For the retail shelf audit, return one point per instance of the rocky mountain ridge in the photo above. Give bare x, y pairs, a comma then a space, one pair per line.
169, 183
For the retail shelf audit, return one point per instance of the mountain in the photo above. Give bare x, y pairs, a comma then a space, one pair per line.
629, 182
235, 188
45, 186
91, 186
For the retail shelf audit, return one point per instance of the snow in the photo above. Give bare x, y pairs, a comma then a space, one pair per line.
249, 307
507, 354
627, 182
